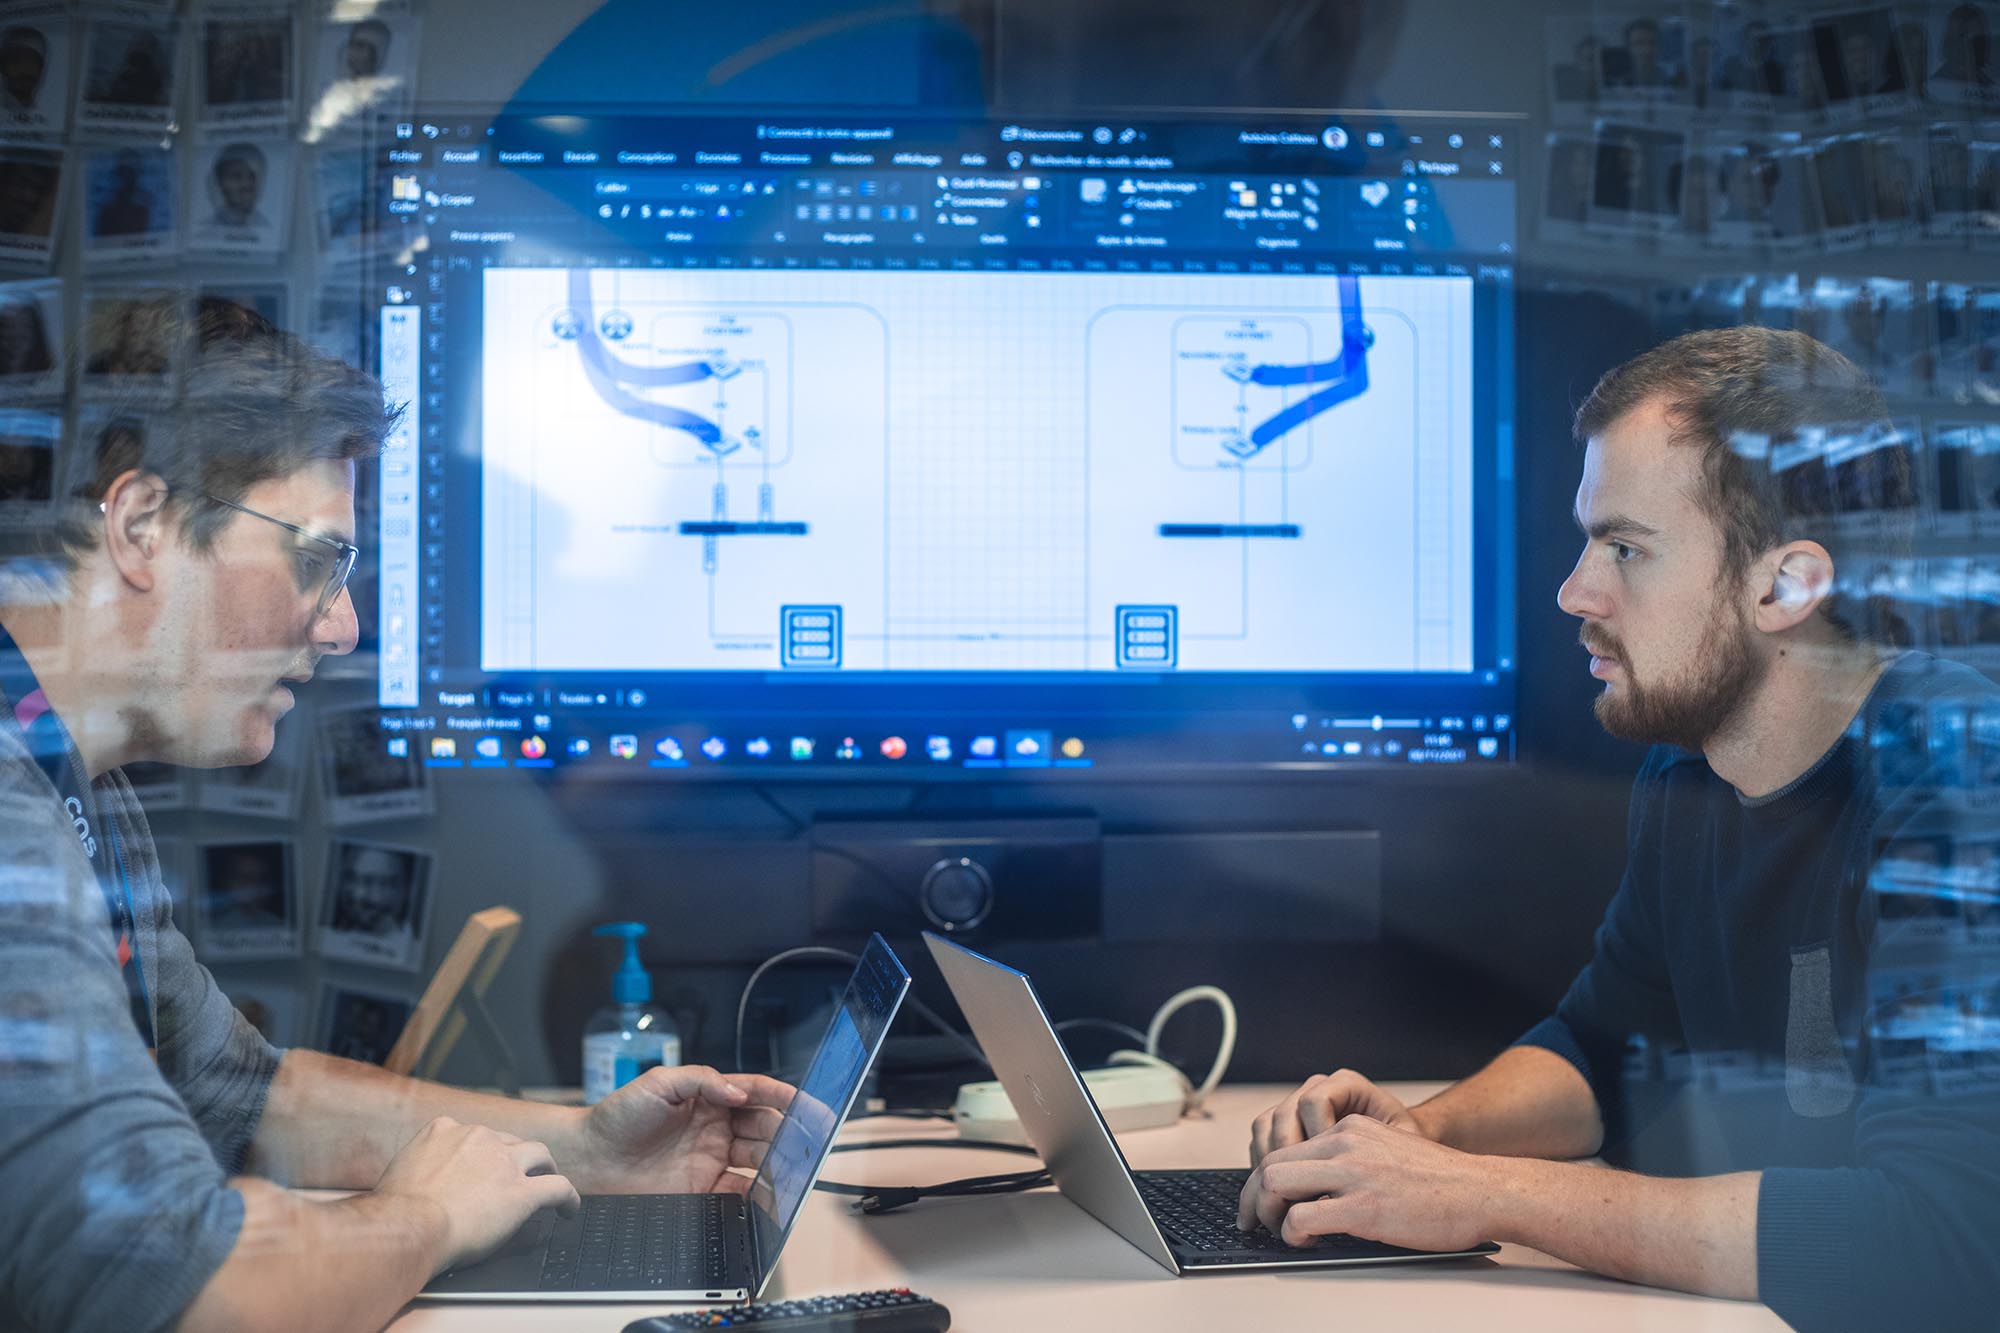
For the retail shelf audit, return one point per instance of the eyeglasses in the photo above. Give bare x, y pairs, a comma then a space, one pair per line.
309, 563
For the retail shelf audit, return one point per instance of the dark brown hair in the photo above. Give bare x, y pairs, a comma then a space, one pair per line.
1760, 404
242, 402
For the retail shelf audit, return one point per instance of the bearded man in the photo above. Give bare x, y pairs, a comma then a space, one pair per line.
1809, 1120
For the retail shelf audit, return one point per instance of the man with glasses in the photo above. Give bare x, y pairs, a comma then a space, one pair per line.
148, 1134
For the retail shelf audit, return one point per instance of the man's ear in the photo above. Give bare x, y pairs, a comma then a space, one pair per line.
1798, 578
135, 526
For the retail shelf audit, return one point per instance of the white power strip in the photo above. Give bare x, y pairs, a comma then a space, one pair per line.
1130, 1096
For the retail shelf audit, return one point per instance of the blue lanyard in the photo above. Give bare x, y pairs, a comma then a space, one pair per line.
49, 741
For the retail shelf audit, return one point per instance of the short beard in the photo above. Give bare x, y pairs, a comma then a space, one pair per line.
1691, 710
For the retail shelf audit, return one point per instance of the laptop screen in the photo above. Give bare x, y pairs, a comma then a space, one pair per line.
825, 1095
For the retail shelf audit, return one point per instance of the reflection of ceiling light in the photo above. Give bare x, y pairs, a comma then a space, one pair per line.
348, 100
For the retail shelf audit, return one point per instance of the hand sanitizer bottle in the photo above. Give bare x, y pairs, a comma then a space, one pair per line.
630, 1035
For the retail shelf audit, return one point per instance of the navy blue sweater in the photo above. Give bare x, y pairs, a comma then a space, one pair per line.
1808, 985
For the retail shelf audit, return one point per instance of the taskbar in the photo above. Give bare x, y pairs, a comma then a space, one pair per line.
773, 748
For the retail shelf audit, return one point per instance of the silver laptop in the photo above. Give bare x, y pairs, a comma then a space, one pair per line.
1184, 1220
700, 1247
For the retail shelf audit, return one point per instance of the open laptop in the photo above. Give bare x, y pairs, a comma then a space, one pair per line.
1184, 1220
700, 1247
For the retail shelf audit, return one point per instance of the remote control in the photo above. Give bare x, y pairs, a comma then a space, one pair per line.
895, 1311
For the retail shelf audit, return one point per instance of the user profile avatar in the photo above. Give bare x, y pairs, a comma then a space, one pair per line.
248, 908
245, 61
365, 52
131, 193
363, 67
376, 904
236, 186
34, 75
29, 441
24, 63
130, 65
361, 778
361, 1025
30, 355
245, 194
30, 186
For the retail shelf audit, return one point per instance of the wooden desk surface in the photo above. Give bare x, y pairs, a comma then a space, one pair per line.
1037, 1261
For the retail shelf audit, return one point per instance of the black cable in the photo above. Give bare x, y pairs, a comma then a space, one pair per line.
887, 1198
798, 825
1125, 1030
823, 952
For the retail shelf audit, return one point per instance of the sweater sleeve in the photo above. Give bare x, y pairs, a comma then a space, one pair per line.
1908, 1235
1908, 1238
215, 1059
120, 1212
1625, 991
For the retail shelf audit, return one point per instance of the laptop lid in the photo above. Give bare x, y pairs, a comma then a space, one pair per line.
825, 1095
1056, 1111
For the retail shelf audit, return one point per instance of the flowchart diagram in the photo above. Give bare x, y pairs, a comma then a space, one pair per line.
648, 501
1297, 480
976, 471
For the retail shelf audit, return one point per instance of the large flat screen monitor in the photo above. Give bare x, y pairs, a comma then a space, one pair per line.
889, 446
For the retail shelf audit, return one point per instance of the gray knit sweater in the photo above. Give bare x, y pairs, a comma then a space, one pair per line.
114, 1204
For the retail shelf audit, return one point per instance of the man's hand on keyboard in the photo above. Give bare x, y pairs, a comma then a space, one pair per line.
1318, 1105
480, 1183
678, 1131
1368, 1179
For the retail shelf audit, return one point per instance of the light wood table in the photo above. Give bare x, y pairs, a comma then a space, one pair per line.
1036, 1261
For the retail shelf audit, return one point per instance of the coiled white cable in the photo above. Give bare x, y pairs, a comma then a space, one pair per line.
1193, 1094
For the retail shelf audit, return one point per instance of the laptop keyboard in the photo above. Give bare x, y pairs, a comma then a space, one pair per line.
644, 1242
1197, 1210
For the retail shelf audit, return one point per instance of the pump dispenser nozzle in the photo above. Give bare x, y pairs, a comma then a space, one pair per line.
631, 984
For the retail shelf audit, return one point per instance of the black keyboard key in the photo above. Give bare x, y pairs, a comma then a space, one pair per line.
659, 1242
896, 1311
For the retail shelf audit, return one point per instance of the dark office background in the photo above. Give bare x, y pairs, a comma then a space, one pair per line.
1490, 882
1490, 885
